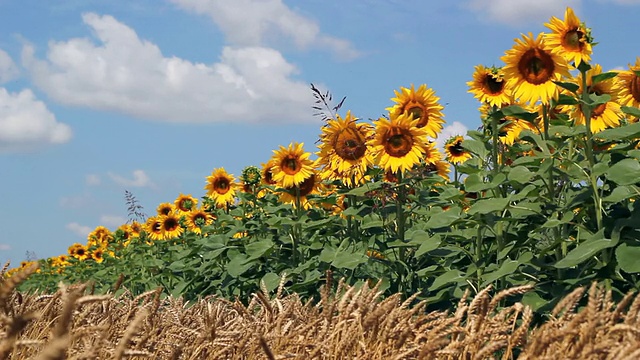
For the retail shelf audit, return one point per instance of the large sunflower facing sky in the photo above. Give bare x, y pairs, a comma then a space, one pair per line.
221, 187
531, 68
490, 86
344, 154
399, 144
291, 166
569, 38
422, 105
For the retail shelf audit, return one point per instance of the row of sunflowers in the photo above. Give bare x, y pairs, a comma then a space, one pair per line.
543, 78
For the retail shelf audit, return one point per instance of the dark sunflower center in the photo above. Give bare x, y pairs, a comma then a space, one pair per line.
97, 254
572, 40
456, 149
290, 165
165, 210
599, 110
80, 252
268, 177
157, 227
306, 187
634, 87
418, 112
493, 85
536, 66
398, 142
349, 145
170, 224
430, 168
221, 185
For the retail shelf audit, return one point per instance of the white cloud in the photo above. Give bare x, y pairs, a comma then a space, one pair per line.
520, 12
80, 230
627, 2
8, 69
140, 179
92, 179
260, 22
112, 221
456, 128
26, 123
76, 201
127, 74
5, 247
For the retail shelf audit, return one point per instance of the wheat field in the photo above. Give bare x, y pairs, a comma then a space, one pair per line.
348, 323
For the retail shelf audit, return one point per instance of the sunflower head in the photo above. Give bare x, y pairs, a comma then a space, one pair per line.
308, 186
532, 67
421, 105
79, 252
197, 219
153, 227
570, 38
490, 86
98, 255
221, 187
291, 166
185, 203
454, 151
251, 175
629, 86
165, 208
171, 228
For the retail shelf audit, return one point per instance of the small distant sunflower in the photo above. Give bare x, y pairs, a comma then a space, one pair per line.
456, 154
221, 187
291, 165
165, 208
489, 86
398, 144
185, 203
154, 228
422, 105
197, 219
531, 68
79, 252
171, 228
569, 38
629, 85
98, 255
310, 185
267, 173
100, 236
344, 154
136, 228
439, 167
605, 115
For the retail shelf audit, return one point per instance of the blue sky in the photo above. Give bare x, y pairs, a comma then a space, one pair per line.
151, 95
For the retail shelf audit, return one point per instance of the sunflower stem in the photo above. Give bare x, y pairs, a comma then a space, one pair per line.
296, 227
494, 136
400, 213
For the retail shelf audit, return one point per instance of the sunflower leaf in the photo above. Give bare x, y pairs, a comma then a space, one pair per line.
633, 111
595, 99
565, 99
625, 172
623, 132
568, 85
627, 257
602, 77
519, 112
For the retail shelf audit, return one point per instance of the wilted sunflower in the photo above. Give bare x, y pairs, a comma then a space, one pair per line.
531, 67
629, 85
171, 228
291, 165
344, 154
605, 115
185, 203
78, 251
154, 228
398, 144
165, 208
196, 219
569, 38
221, 187
456, 154
489, 86
310, 185
422, 105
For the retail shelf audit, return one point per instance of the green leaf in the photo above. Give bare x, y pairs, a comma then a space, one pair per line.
347, 260
518, 112
507, 267
327, 255
238, 266
486, 206
475, 183
427, 242
595, 99
520, 174
585, 251
565, 99
602, 77
451, 276
620, 193
627, 257
271, 281
619, 133
371, 224
259, 248
477, 147
533, 300
625, 172
568, 85
364, 189
440, 218
633, 111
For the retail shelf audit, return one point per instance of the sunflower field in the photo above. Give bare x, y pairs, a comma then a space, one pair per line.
543, 193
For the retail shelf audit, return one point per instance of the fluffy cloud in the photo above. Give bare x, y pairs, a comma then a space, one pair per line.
256, 23
127, 74
80, 230
112, 221
140, 179
26, 123
521, 12
8, 69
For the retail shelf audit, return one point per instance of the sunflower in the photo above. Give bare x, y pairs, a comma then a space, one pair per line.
605, 115
78, 251
100, 236
456, 154
221, 187
171, 227
267, 173
291, 165
185, 203
165, 208
310, 185
422, 105
196, 219
489, 86
136, 228
98, 255
344, 154
569, 38
509, 127
154, 228
532, 68
629, 86
399, 144
127, 233
439, 167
